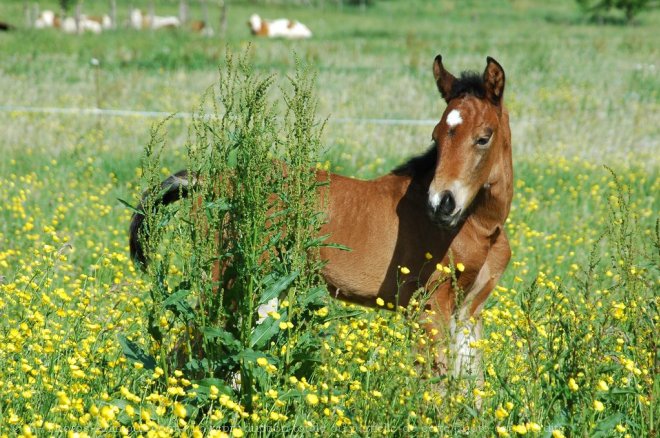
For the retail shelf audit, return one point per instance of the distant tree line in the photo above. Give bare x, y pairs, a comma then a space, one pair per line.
630, 8
66, 5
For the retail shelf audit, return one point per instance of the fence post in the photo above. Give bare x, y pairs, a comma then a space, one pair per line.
205, 17
35, 12
223, 18
26, 12
113, 14
152, 13
183, 11
78, 13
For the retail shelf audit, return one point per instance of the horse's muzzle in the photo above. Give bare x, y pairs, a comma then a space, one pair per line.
442, 212
443, 220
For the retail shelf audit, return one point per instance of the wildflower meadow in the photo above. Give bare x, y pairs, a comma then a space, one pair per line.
93, 345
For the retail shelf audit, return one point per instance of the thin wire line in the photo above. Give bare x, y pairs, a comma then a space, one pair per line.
187, 115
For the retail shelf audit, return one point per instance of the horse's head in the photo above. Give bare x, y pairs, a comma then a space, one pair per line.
471, 133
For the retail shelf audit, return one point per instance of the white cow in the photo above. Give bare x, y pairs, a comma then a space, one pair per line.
94, 24
139, 21
279, 28
46, 19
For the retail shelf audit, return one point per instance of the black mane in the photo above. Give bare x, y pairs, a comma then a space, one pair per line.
419, 165
470, 82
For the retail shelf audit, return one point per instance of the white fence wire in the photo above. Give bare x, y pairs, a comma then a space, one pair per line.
104, 112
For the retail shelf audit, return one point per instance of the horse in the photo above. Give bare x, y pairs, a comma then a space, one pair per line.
445, 206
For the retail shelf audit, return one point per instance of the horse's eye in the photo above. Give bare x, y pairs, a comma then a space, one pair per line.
483, 141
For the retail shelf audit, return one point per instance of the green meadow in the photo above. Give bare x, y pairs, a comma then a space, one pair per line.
571, 332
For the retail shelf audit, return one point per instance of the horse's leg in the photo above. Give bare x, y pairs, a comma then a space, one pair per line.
455, 327
437, 320
466, 324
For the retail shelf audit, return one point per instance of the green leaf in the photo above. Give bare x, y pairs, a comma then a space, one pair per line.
291, 394
130, 207
133, 352
251, 356
228, 339
274, 290
178, 304
314, 296
218, 204
332, 245
605, 427
232, 158
264, 332
205, 386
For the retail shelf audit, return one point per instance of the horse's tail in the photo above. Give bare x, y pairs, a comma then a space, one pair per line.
172, 189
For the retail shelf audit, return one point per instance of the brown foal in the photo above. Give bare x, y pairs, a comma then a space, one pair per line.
451, 202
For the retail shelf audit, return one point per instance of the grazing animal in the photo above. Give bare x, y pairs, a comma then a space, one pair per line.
200, 27
451, 202
280, 28
46, 19
140, 21
103, 20
94, 24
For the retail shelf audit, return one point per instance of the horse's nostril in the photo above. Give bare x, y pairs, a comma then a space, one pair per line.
447, 203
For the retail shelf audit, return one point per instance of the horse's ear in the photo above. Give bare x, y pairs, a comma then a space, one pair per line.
494, 80
443, 79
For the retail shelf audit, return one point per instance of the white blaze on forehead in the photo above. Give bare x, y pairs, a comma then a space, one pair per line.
454, 118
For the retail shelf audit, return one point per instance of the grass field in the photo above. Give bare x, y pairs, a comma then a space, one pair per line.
571, 331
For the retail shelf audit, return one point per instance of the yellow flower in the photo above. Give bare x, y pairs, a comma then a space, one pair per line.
380, 301
262, 361
179, 410
237, 433
602, 386
501, 431
599, 406
428, 256
312, 399
501, 413
557, 433
618, 310
404, 270
572, 385
460, 267
533, 427
520, 429
107, 412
